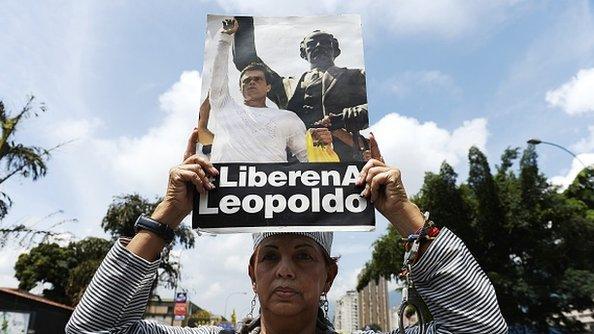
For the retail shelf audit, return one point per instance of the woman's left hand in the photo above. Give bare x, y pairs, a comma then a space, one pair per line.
384, 188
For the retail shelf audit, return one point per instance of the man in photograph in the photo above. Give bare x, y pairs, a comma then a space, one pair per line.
326, 96
249, 131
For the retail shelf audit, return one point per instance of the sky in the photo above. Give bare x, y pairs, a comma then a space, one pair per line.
122, 82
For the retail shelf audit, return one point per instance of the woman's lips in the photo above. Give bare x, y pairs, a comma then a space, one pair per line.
285, 292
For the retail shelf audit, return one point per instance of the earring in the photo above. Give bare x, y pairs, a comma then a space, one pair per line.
324, 303
253, 306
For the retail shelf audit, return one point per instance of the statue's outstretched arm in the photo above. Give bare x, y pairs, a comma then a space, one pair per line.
244, 53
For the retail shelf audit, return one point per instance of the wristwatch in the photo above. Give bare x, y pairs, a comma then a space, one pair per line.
162, 230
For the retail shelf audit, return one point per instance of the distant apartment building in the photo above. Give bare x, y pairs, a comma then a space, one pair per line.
346, 313
373, 305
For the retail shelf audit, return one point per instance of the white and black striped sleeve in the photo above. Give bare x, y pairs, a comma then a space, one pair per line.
117, 297
456, 290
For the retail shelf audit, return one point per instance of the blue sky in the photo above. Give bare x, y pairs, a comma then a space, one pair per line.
123, 79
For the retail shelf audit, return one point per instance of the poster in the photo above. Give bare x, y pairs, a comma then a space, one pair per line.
286, 93
180, 309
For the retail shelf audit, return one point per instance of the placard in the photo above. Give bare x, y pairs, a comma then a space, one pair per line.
284, 197
289, 92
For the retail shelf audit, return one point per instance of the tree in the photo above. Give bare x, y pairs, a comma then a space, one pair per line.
68, 269
198, 318
582, 188
522, 231
20, 160
119, 222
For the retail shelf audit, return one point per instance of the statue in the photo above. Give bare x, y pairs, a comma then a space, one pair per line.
326, 96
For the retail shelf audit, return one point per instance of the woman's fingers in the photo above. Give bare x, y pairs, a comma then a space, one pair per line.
183, 176
374, 147
203, 162
377, 182
371, 173
191, 145
363, 174
196, 168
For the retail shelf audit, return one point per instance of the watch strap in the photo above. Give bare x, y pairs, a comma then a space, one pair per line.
162, 230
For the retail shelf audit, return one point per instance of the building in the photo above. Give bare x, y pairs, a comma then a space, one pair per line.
346, 313
373, 305
24, 312
161, 311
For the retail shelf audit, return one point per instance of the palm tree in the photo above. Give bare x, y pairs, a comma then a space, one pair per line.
17, 159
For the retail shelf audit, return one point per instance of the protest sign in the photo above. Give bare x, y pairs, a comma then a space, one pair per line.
280, 95
284, 197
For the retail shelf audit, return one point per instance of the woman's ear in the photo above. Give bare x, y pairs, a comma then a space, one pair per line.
332, 271
252, 277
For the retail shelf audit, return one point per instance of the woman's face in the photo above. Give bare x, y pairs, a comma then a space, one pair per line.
289, 273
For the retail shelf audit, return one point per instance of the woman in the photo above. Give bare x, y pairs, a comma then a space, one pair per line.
290, 272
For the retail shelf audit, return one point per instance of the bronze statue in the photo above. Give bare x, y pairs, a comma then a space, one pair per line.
325, 96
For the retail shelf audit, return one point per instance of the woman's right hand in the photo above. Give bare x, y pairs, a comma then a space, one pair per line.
193, 172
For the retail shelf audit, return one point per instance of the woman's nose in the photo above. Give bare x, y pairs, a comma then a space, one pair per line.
285, 269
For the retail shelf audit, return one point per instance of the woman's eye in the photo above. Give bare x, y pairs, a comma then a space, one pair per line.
304, 256
269, 256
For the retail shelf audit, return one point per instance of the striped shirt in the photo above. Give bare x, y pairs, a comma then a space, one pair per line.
457, 292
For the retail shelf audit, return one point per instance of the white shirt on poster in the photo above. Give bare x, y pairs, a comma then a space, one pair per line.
249, 134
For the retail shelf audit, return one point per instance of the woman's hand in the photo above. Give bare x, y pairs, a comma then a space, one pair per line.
384, 188
194, 172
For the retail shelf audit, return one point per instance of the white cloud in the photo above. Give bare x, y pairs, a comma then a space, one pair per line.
576, 96
585, 144
142, 163
7, 261
576, 166
418, 147
74, 129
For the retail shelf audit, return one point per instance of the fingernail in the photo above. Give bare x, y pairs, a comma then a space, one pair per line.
211, 185
214, 171
362, 194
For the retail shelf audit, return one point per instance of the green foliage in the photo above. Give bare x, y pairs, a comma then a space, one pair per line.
69, 269
198, 318
582, 187
20, 160
119, 221
17, 158
534, 243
